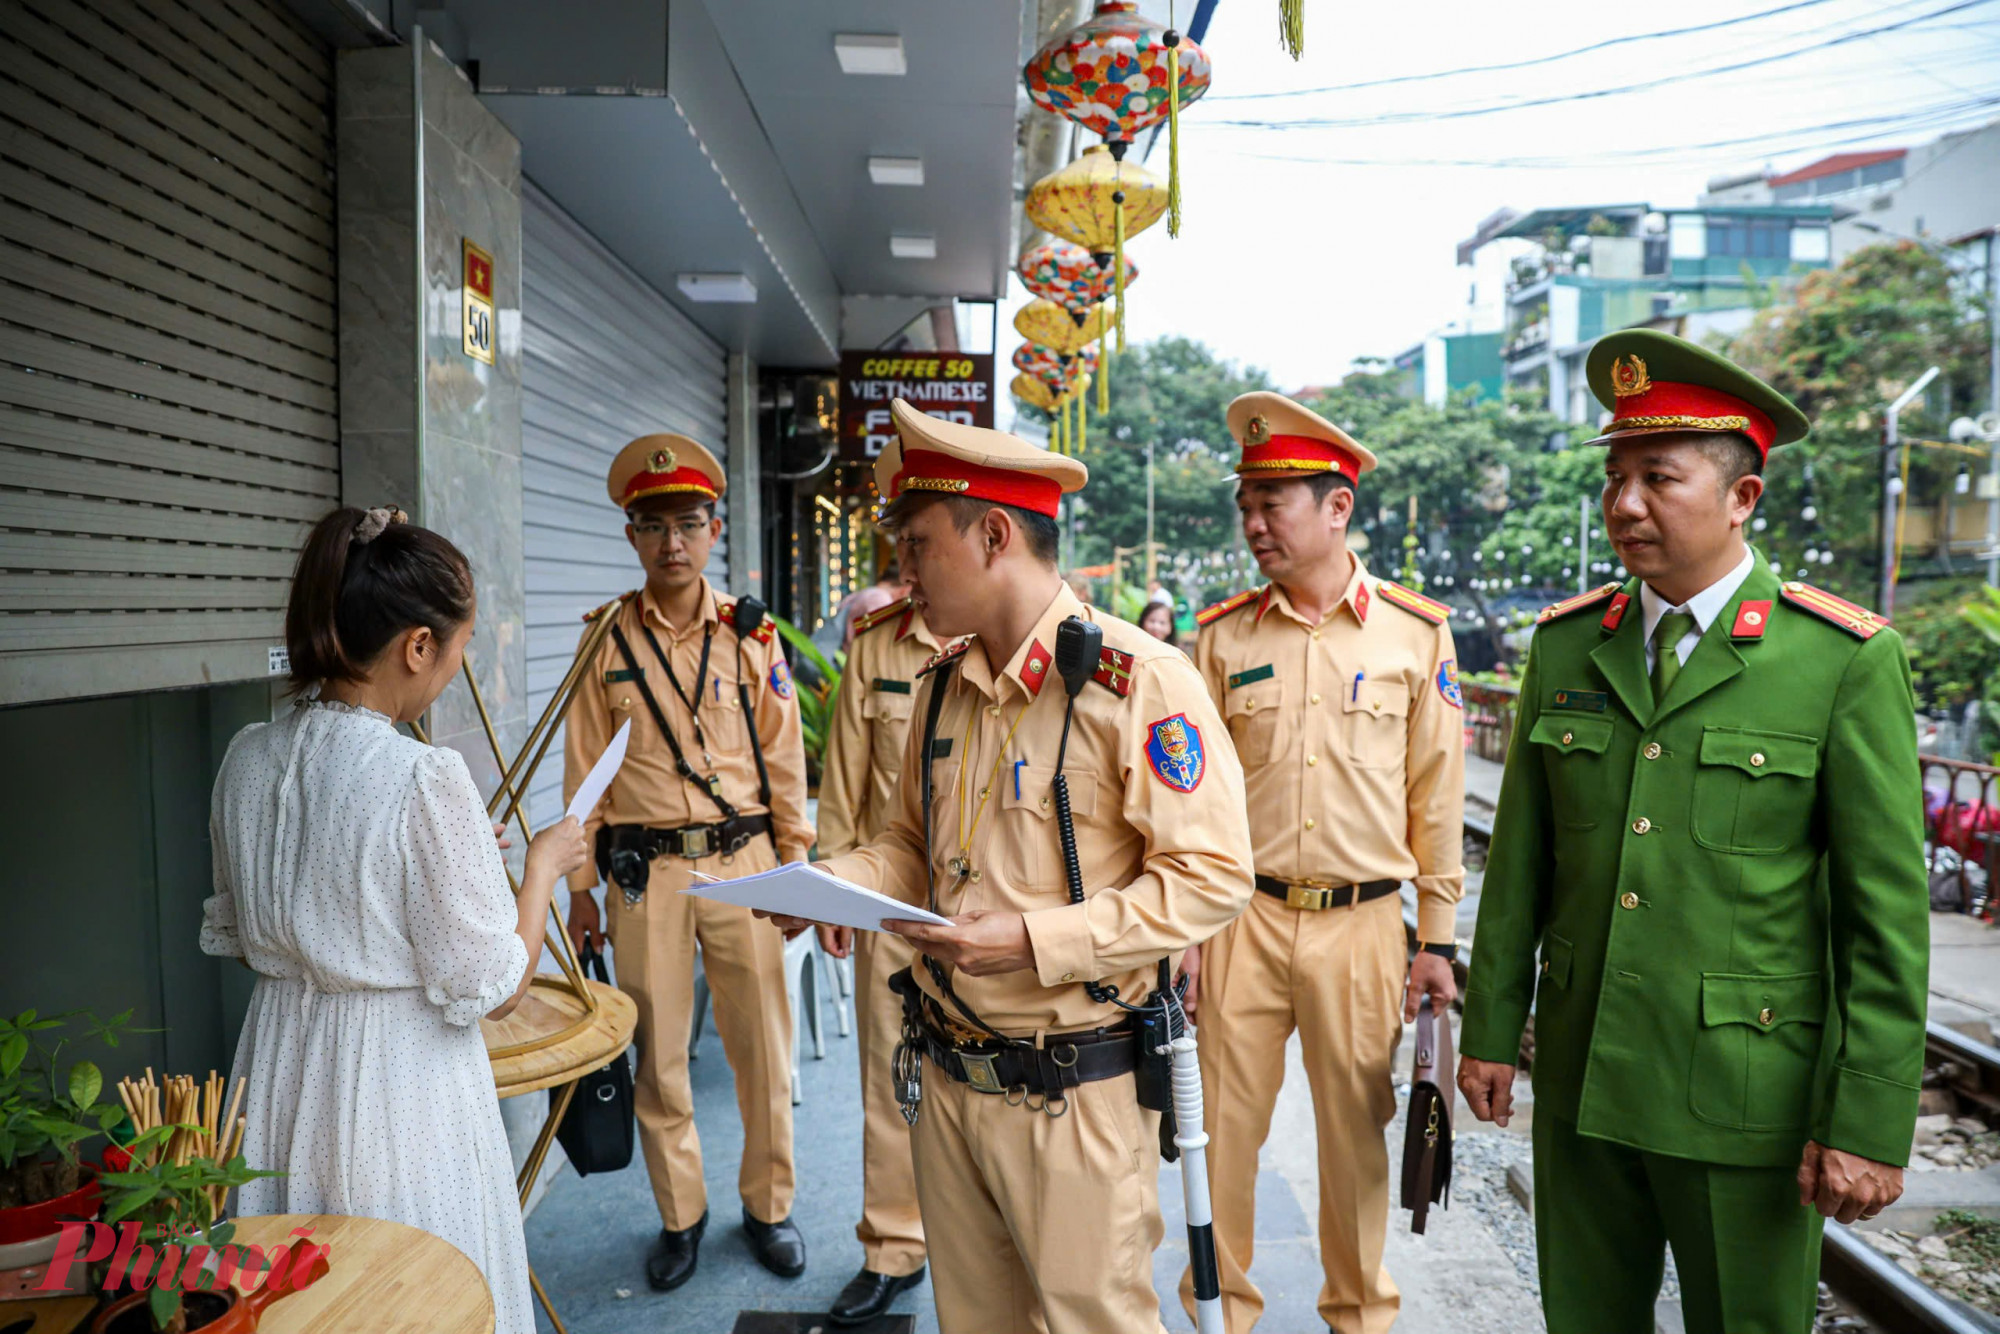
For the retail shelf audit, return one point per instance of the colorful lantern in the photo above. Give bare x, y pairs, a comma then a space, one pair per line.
1098, 201
1033, 392
1111, 73
1044, 363
1067, 274
1045, 322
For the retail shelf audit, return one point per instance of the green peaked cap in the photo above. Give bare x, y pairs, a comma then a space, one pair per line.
1667, 360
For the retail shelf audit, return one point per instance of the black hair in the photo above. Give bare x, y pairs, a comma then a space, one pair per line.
1044, 538
352, 594
1734, 457
1323, 484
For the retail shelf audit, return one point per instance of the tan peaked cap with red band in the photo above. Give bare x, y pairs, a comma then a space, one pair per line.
664, 465
1278, 438
1654, 383
929, 455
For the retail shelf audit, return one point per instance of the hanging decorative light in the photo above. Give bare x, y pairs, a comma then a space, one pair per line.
1118, 73
1098, 202
1067, 274
1043, 321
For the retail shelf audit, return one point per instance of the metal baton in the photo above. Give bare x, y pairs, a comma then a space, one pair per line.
1192, 1140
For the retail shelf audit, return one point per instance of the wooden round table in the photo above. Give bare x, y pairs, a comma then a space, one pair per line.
386, 1278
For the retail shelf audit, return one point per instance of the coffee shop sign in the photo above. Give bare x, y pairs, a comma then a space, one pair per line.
955, 386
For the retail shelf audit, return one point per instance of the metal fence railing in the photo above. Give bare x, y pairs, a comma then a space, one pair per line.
1962, 829
1489, 713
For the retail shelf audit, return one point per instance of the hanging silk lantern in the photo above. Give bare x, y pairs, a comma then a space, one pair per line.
1097, 202
1044, 322
1067, 274
1033, 392
1044, 363
1118, 73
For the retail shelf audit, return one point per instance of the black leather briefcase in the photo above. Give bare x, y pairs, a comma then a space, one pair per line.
1427, 1136
597, 1131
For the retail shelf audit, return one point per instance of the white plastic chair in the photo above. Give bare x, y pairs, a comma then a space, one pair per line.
808, 979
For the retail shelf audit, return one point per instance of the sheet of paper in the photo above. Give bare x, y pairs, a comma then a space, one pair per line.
803, 890
598, 780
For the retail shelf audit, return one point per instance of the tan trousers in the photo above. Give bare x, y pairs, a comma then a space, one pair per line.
1040, 1223
744, 960
891, 1230
1337, 976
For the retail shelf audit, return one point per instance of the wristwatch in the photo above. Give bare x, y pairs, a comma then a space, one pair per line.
1446, 952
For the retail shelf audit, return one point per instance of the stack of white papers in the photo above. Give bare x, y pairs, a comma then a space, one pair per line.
598, 780
803, 890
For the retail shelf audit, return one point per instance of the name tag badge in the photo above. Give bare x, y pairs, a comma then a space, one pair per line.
1264, 673
612, 678
888, 687
941, 748
1585, 701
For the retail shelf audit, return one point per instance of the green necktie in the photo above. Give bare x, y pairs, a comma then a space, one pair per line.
1673, 628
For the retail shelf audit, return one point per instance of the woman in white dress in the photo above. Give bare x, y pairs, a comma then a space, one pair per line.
357, 874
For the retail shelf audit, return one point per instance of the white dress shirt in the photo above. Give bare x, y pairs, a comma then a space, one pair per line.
1704, 606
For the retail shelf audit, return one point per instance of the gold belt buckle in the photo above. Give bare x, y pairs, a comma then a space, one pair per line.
1310, 895
697, 843
979, 1071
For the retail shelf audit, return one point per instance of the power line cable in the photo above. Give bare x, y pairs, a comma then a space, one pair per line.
1646, 85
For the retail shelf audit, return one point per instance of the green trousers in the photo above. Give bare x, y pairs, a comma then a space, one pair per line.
1747, 1254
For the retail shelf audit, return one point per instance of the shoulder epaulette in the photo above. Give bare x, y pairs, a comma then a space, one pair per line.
1414, 602
1857, 621
618, 601
882, 615
944, 655
1558, 610
764, 634
1114, 672
1224, 607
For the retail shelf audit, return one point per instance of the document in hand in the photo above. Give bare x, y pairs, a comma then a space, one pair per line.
598, 780
803, 890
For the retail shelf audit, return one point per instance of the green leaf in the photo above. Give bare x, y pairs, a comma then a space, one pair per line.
163, 1302
13, 1051
129, 1204
86, 1081
799, 640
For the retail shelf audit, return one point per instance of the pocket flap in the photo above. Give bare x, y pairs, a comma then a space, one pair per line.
1557, 955
887, 705
1382, 699
1762, 1002
1760, 753
1250, 699
1567, 732
1038, 792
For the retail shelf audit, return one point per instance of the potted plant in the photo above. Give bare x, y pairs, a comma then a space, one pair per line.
47, 1113
183, 1163
817, 689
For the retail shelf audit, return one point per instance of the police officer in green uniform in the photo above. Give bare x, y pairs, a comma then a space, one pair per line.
1711, 832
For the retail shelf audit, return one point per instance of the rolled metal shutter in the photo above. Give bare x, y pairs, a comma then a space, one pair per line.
167, 348
606, 358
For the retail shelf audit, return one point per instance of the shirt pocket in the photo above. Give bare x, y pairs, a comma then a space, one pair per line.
1253, 712
1377, 716
1757, 1049
1572, 751
723, 721
889, 715
1753, 791
1028, 841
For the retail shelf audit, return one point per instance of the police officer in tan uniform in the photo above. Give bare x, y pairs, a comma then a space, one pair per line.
1341, 692
714, 780
1035, 1163
857, 793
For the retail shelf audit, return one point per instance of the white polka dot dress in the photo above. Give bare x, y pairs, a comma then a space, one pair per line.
356, 872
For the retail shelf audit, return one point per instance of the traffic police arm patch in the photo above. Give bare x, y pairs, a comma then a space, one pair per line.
1448, 683
781, 679
1174, 750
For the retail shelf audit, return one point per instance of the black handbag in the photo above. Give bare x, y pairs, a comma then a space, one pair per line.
597, 1130
1427, 1135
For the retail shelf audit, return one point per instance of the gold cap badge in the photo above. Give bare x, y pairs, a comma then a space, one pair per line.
662, 461
1257, 430
1628, 376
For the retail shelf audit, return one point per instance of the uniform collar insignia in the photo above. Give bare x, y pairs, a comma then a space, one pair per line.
1035, 668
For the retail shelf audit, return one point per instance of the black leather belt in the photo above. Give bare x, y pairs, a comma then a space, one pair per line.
1312, 895
694, 841
1063, 1061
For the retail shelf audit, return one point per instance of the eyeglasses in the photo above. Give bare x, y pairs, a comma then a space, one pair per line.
655, 530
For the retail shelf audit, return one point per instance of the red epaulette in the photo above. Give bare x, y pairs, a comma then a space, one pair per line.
944, 655
1114, 672
1558, 610
618, 601
1857, 621
1414, 602
883, 615
1227, 605
764, 634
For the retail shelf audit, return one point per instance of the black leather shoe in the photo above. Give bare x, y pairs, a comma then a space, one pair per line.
779, 1247
670, 1262
868, 1295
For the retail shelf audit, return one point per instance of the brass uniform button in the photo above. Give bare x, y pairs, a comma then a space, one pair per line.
1628, 900
1568, 737
1765, 1016
1315, 634
1377, 705
1310, 822
1312, 759
1757, 760
977, 876
994, 710
1249, 706
1315, 698
1642, 825
983, 791
1652, 751
1069, 977
1045, 803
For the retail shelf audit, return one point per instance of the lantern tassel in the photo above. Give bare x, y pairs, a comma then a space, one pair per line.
1118, 263
1174, 132
1292, 26
1103, 365
1082, 421
1055, 428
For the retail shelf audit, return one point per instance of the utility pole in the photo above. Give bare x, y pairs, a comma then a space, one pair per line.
1892, 488
1152, 551
1993, 405
1583, 544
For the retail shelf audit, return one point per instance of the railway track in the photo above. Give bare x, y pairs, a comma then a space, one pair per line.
1866, 1284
